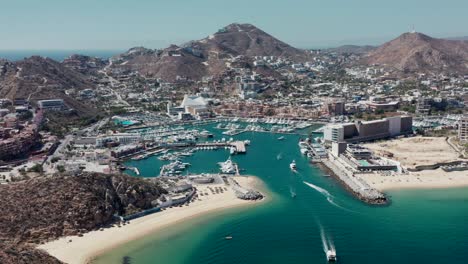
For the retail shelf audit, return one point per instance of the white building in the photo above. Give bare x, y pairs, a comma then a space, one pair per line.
333, 133
394, 125
463, 129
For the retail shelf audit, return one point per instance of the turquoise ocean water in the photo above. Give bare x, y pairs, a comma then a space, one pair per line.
420, 226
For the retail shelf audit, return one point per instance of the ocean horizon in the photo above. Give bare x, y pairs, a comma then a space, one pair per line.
58, 55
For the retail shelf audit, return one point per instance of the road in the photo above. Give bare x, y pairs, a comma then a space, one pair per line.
113, 83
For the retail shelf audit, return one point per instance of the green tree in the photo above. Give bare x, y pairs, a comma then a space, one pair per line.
60, 168
37, 168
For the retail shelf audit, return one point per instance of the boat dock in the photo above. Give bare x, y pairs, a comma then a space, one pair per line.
240, 146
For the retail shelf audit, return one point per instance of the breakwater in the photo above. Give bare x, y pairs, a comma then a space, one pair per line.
356, 186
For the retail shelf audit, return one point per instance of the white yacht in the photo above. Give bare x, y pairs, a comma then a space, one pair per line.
331, 255
232, 150
293, 165
228, 166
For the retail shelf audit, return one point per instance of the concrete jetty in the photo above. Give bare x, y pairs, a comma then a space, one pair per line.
357, 186
240, 146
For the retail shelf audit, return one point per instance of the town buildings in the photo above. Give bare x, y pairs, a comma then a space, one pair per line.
369, 130
51, 104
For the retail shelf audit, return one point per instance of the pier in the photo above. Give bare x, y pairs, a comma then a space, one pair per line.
240, 146
357, 186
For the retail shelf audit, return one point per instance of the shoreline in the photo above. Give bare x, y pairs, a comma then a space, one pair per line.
377, 202
427, 179
95, 243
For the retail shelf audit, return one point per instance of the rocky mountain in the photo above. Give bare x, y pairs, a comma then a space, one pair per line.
20, 254
84, 64
458, 38
47, 208
416, 52
167, 64
352, 49
244, 39
42, 78
205, 57
42, 209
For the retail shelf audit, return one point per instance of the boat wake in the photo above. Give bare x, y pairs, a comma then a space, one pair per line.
278, 157
327, 195
292, 192
327, 241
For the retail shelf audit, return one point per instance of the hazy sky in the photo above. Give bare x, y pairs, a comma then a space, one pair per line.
121, 24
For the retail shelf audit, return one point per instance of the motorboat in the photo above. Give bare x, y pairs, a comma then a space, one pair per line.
293, 165
331, 255
232, 150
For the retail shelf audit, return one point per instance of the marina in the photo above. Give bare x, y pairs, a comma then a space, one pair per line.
299, 206
263, 139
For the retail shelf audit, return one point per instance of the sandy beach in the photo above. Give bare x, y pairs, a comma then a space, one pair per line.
83, 249
412, 152
416, 151
427, 179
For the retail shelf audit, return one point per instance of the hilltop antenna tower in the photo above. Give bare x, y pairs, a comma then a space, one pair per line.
413, 30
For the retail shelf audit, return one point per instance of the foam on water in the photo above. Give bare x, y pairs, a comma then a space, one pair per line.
327, 195
327, 241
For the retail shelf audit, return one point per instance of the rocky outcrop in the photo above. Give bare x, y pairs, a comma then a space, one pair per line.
24, 255
47, 208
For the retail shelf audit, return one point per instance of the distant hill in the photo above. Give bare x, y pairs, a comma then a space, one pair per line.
205, 57
458, 38
247, 40
166, 64
352, 49
84, 64
416, 52
42, 78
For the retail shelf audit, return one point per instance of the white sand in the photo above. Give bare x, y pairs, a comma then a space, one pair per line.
83, 249
427, 179
414, 151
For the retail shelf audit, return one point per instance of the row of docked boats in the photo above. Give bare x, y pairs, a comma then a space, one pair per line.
174, 168
228, 167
